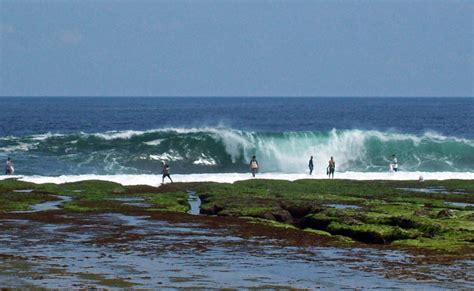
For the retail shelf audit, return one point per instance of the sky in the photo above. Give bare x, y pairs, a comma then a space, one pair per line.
236, 48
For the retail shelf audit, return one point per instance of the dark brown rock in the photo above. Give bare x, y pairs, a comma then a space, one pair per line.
301, 209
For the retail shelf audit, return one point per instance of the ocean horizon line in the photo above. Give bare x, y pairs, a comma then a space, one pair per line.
217, 96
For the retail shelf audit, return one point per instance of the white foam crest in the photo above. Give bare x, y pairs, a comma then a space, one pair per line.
153, 142
223, 131
429, 136
19, 147
383, 136
127, 134
36, 137
389, 136
45, 136
8, 138
155, 180
205, 160
235, 140
110, 135
434, 136
167, 156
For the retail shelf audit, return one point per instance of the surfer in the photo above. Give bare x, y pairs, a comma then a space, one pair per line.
166, 172
394, 163
331, 168
253, 166
9, 167
311, 165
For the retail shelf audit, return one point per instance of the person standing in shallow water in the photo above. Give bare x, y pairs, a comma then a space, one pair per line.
253, 166
311, 165
9, 167
331, 167
166, 172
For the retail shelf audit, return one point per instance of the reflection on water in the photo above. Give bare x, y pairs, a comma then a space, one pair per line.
49, 205
343, 206
23, 191
459, 204
149, 253
441, 190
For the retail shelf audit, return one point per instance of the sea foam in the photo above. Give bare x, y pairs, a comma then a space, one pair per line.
227, 150
155, 180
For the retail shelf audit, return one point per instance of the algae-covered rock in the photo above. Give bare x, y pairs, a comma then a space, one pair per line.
387, 213
282, 216
268, 216
370, 233
350, 220
445, 213
210, 209
279, 215
317, 232
317, 221
430, 229
301, 209
401, 221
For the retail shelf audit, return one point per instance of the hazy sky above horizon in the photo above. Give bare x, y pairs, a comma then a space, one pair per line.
236, 48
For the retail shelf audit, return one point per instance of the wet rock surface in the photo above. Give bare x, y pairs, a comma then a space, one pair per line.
259, 234
63, 250
437, 216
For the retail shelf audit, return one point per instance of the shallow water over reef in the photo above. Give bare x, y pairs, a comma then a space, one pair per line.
116, 250
429, 190
46, 206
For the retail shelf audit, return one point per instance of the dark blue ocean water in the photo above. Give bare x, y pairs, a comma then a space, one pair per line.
53, 136
34, 115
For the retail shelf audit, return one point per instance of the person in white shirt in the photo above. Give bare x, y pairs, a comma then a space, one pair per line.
9, 167
394, 163
253, 166
166, 172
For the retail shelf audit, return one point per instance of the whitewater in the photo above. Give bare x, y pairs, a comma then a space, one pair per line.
135, 157
155, 180
213, 139
228, 150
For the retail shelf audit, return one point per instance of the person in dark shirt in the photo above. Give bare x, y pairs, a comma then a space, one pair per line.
331, 167
253, 166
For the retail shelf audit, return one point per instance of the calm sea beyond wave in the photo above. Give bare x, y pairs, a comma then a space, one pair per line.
54, 136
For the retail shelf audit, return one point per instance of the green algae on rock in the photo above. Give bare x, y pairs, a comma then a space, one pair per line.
394, 213
382, 212
90, 196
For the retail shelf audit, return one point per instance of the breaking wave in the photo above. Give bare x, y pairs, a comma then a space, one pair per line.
226, 150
